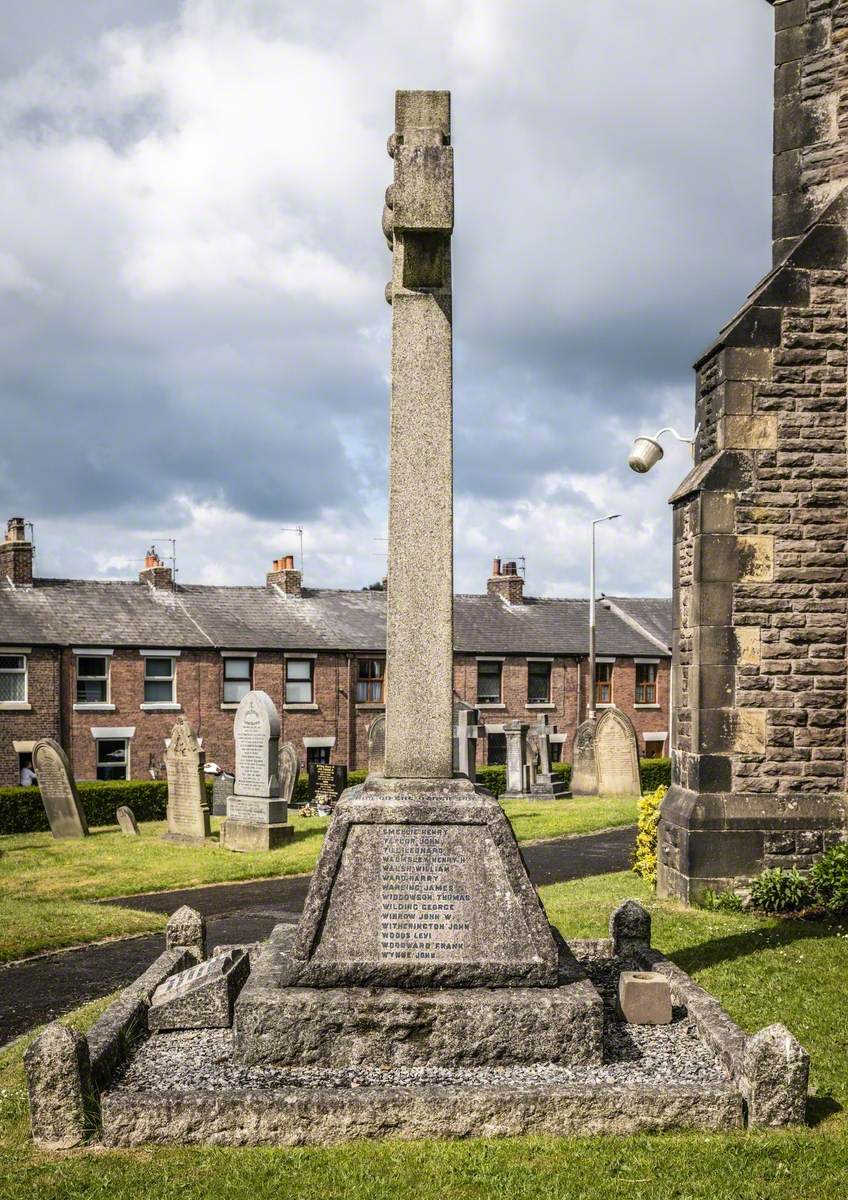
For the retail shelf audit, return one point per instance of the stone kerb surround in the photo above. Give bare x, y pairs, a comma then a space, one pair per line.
759, 728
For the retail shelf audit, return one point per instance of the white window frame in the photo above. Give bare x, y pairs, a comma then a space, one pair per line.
247, 656
94, 705
22, 652
173, 704
300, 705
127, 751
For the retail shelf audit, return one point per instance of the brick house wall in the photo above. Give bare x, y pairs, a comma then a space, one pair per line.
41, 717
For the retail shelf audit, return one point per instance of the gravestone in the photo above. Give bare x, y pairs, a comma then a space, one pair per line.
466, 732
58, 790
222, 789
544, 784
201, 997
584, 770
127, 821
617, 755
377, 745
289, 770
327, 781
516, 758
256, 814
188, 806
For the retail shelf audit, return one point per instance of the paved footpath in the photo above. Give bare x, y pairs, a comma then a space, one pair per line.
43, 988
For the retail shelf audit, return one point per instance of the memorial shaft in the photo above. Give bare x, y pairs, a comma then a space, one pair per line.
418, 223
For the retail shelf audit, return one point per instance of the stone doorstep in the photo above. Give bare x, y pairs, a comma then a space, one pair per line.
323, 1116
329, 1027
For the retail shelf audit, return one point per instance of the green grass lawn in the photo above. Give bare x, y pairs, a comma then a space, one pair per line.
47, 887
762, 969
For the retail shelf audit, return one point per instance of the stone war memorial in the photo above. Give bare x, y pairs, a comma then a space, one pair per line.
257, 812
58, 790
423, 992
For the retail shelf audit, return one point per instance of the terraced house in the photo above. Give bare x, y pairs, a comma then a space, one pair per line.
105, 666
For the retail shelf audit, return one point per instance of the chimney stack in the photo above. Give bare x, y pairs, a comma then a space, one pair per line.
16, 555
506, 582
810, 93
154, 574
284, 576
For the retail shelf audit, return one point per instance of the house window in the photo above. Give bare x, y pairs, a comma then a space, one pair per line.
159, 681
317, 754
538, 683
489, 682
653, 749
646, 683
299, 676
603, 683
92, 679
556, 751
112, 758
13, 678
496, 749
236, 679
370, 676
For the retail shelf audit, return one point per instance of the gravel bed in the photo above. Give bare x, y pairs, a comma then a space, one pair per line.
634, 1056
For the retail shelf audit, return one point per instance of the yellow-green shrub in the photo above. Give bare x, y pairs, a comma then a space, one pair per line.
645, 854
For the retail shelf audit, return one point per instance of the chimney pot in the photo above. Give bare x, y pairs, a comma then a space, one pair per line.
284, 576
506, 582
496, 567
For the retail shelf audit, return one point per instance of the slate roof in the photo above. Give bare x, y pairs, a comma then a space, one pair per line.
652, 615
69, 612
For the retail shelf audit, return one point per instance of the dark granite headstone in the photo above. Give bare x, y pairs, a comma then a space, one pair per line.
222, 789
584, 772
327, 781
58, 790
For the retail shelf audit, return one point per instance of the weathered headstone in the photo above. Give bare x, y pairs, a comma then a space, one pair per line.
256, 814
617, 755
126, 820
377, 745
544, 784
186, 930
516, 758
188, 806
61, 1091
201, 997
222, 788
465, 733
289, 770
584, 771
58, 790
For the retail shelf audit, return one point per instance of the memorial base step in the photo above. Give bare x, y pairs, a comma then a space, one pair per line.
246, 836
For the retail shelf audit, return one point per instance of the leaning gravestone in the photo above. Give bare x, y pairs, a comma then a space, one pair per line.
377, 745
617, 755
256, 813
58, 790
127, 821
584, 771
188, 807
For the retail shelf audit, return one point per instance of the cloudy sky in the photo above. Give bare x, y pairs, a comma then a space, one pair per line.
193, 335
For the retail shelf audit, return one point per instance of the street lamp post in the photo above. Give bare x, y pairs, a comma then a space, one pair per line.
598, 521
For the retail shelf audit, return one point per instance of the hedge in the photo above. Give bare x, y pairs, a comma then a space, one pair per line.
21, 810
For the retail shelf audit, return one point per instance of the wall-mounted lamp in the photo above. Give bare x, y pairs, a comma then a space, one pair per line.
647, 452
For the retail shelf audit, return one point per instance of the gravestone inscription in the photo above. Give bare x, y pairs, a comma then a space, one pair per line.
617, 755
584, 771
58, 790
201, 997
188, 807
256, 812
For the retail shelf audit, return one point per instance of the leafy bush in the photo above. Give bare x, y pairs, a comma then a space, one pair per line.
728, 902
654, 773
776, 890
645, 852
829, 878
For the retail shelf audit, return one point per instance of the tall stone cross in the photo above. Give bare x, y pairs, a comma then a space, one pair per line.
418, 223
